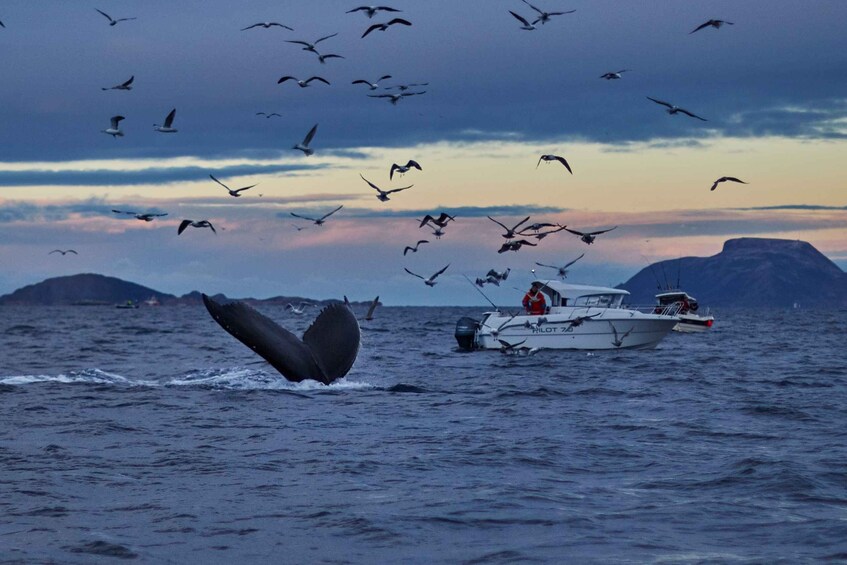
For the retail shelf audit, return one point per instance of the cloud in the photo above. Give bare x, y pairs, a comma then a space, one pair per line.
793, 207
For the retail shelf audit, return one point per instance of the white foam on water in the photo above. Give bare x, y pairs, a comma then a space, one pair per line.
240, 378
86, 376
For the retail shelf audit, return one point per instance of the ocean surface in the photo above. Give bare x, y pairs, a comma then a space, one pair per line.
153, 435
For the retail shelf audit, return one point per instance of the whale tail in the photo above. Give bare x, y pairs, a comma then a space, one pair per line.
333, 339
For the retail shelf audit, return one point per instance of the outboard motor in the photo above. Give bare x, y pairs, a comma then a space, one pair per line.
466, 333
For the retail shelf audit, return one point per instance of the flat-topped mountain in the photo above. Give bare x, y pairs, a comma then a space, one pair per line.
748, 272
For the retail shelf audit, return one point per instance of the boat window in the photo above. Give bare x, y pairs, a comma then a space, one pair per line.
598, 300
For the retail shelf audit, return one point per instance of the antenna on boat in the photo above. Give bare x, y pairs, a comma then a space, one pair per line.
665, 275
678, 269
480, 291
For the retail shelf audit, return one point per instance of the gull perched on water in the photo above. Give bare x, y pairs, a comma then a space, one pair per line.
235, 193
515, 245
372, 85
66, 251
266, 115
114, 130
195, 224
676, 109
310, 46
113, 21
428, 281
144, 217
395, 98
304, 145
127, 85
526, 25
370, 11
711, 23
302, 83
383, 194
167, 127
724, 179
543, 16
590, 236
415, 248
549, 158
615, 75
441, 221
318, 221
267, 25
299, 309
510, 232
402, 169
562, 271
385, 26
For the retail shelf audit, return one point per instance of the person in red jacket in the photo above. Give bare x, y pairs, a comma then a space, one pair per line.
534, 302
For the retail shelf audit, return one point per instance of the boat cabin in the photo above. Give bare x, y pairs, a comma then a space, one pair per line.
560, 294
688, 303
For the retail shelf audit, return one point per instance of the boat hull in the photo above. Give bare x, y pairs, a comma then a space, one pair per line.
691, 323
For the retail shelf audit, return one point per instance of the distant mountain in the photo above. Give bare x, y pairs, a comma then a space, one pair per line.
83, 289
751, 272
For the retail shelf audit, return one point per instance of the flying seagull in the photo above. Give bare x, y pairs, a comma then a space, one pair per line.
543, 16
318, 221
562, 271
383, 194
323, 58
326, 353
440, 221
510, 232
538, 226
711, 23
676, 109
113, 21
618, 340
415, 248
615, 75
542, 235
370, 11
550, 158
266, 115
405, 87
526, 25
310, 46
235, 193
383, 27
167, 127
299, 309
402, 169
495, 278
127, 85
114, 130
267, 25
515, 245
304, 145
1, 24
724, 179
431, 280
395, 98
590, 236
144, 217
302, 83
437, 232
372, 85
66, 251
195, 224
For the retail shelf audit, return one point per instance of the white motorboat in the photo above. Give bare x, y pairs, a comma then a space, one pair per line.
690, 319
577, 317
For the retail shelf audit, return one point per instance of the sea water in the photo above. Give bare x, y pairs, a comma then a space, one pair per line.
152, 434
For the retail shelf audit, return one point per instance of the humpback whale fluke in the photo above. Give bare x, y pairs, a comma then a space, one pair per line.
326, 353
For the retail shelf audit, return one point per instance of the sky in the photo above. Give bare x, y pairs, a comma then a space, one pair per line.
772, 87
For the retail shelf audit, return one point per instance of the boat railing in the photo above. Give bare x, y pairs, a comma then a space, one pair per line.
672, 309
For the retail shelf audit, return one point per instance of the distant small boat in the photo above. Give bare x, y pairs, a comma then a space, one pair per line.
152, 301
128, 304
690, 321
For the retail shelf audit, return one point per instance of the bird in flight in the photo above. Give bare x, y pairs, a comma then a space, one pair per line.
563, 270
382, 195
590, 236
322, 58
310, 46
676, 109
526, 25
543, 16
405, 87
267, 25
385, 26
235, 193
114, 129
711, 23
318, 221
370, 11
428, 281
510, 232
299, 309
66, 251
1, 25
302, 83
550, 158
618, 340
724, 179
304, 145
167, 127
127, 85
614, 76
372, 85
415, 248
195, 224
395, 98
144, 217
515, 245
113, 21
403, 169
271, 115
437, 232
441, 221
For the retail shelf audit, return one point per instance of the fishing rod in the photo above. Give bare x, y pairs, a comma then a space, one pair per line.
480, 291
649, 264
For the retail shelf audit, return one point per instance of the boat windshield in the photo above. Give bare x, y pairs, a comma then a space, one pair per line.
598, 300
